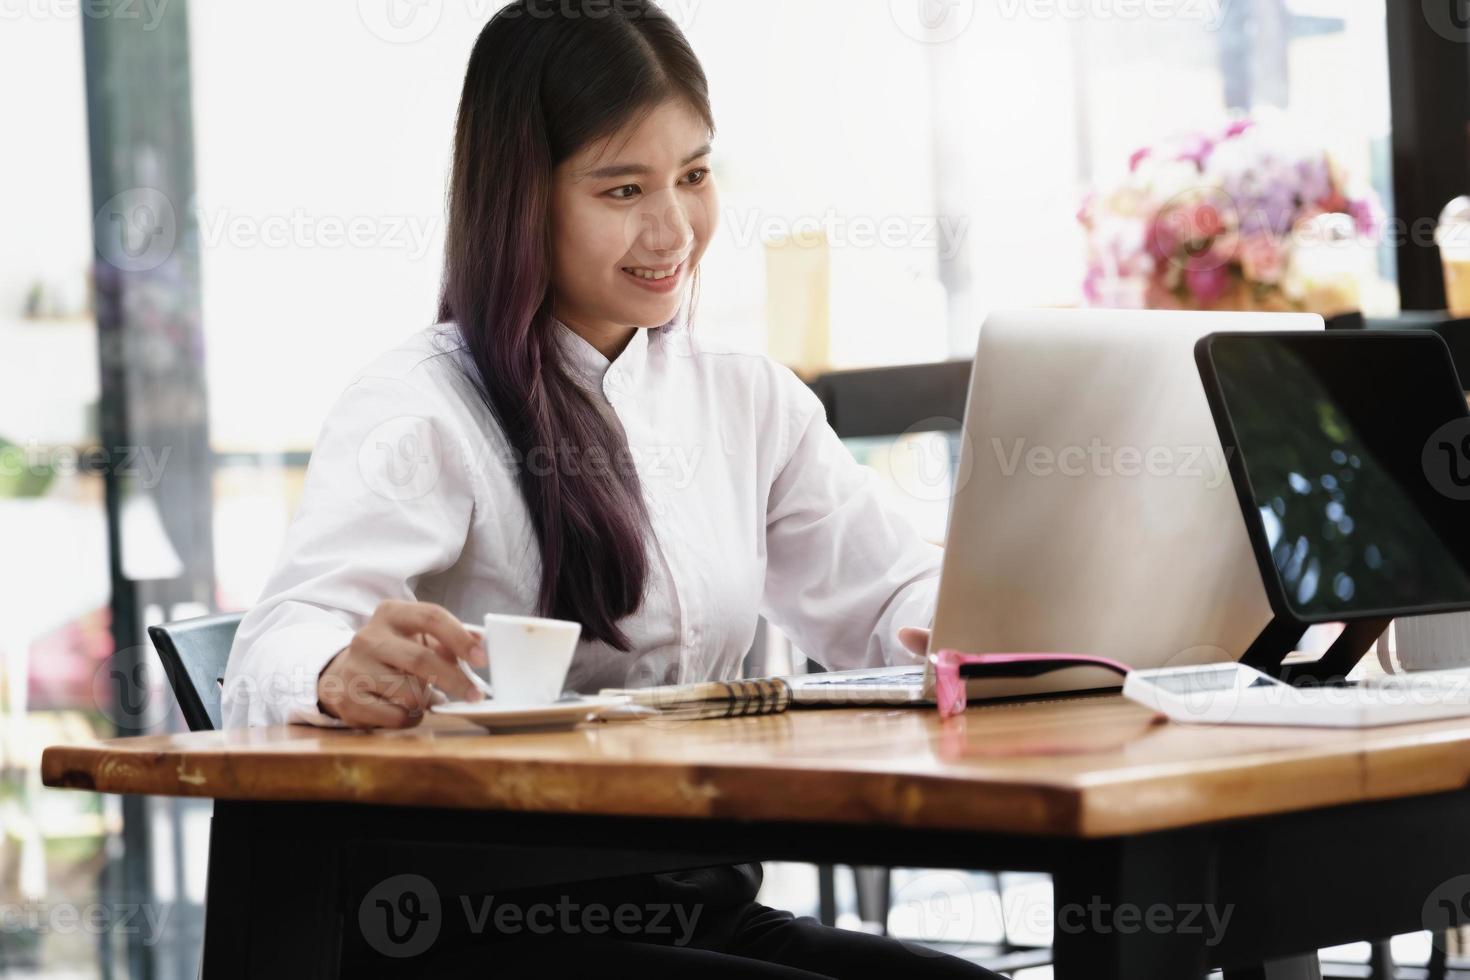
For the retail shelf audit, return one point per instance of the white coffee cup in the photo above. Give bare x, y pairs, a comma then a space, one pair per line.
528, 657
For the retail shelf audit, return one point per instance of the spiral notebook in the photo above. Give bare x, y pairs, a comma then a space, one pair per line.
712, 699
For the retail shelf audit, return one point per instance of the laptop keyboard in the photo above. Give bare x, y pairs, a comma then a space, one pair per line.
870, 680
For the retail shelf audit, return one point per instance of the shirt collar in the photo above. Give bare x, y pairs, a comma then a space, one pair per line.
588, 363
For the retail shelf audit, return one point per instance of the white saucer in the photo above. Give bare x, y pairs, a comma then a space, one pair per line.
557, 716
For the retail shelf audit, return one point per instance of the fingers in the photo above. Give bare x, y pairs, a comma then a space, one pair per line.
915, 639
371, 711
408, 618
407, 692
427, 666
477, 680
359, 706
408, 657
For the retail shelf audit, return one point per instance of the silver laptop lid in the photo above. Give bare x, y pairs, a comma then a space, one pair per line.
1093, 511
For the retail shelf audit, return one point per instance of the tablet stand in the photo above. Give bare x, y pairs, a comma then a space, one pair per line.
1280, 637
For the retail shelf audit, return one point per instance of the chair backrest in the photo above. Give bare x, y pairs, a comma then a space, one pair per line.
194, 652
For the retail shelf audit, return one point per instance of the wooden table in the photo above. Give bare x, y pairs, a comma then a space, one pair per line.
1153, 831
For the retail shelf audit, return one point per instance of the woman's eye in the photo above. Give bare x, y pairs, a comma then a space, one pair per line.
625, 192
698, 176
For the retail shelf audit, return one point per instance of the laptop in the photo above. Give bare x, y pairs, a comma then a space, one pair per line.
1092, 512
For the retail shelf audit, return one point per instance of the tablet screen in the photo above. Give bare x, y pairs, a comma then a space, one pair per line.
1355, 453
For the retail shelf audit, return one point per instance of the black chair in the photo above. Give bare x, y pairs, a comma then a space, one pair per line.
194, 652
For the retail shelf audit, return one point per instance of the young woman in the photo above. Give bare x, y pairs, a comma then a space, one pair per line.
559, 444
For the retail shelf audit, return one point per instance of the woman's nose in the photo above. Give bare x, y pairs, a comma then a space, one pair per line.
665, 227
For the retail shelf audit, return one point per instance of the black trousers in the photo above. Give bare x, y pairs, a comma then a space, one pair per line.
703, 923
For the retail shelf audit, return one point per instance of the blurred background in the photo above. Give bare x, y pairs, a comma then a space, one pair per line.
213, 213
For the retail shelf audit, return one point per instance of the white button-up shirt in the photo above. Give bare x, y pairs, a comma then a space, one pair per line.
757, 509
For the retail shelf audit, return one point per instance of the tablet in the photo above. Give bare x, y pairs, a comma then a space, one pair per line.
1350, 454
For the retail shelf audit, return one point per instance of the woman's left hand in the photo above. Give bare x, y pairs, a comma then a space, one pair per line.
915, 639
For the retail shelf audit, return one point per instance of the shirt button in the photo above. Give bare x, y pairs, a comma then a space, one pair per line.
691, 634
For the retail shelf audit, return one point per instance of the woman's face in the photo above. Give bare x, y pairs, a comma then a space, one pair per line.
631, 216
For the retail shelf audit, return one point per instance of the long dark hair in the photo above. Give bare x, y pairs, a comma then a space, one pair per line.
546, 78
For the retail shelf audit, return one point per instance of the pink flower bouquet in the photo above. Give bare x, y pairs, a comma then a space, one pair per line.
1223, 222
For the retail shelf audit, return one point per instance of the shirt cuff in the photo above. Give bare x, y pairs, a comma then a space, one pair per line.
280, 685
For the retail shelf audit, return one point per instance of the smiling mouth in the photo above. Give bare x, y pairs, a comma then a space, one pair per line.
650, 274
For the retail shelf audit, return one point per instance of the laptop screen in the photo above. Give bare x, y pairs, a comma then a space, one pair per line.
1355, 454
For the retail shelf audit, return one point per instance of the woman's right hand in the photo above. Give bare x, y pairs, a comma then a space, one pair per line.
381, 679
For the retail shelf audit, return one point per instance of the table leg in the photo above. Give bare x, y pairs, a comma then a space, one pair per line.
1295, 968
874, 887
1381, 962
1438, 959
827, 894
1138, 907
272, 900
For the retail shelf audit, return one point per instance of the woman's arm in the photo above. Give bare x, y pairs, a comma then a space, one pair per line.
387, 500
844, 571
